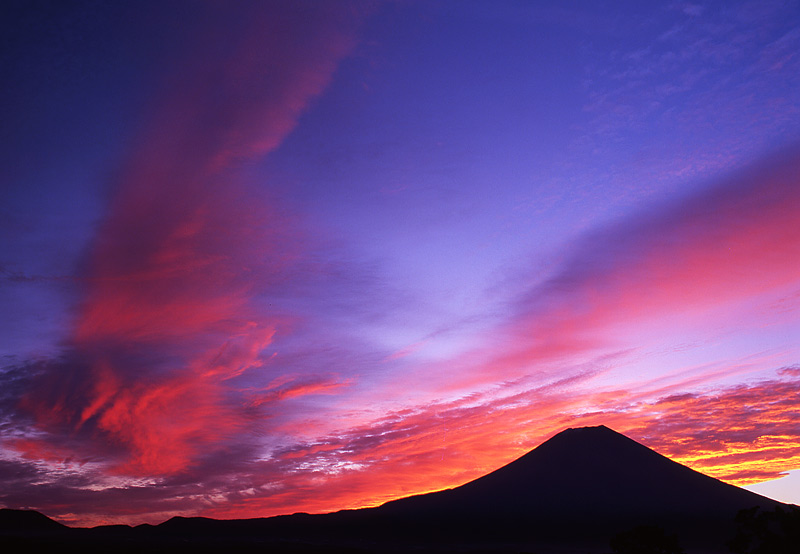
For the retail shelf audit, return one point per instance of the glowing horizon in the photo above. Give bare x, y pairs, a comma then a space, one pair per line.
272, 257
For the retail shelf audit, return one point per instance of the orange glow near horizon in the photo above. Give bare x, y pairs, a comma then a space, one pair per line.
443, 447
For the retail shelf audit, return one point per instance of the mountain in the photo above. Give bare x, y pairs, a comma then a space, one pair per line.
583, 483
572, 493
590, 471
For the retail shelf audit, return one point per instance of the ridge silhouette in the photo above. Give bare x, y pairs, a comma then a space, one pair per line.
572, 493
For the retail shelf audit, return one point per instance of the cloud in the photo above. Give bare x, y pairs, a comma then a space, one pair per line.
286, 387
675, 266
737, 238
175, 307
742, 434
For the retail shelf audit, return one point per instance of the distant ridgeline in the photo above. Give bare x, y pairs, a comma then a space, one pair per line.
585, 490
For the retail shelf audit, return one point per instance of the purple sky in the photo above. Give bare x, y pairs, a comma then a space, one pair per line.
263, 257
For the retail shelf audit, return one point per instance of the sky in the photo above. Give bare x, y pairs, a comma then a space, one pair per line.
268, 257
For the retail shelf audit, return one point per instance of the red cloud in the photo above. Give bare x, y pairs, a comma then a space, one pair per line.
172, 309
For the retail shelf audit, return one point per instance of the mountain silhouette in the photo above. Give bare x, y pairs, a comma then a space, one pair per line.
572, 493
580, 484
590, 470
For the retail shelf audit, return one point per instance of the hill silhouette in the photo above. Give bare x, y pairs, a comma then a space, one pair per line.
27, 520
572, 493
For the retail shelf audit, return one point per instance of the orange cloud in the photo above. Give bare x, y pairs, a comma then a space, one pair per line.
740, 434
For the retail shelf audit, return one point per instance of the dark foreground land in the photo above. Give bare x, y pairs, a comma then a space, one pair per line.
586, 490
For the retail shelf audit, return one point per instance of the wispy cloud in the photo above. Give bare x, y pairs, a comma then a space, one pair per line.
713, 69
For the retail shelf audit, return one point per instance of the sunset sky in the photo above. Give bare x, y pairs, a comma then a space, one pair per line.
267, 257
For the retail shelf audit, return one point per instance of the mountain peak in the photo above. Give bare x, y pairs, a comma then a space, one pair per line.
598, 427
593, 429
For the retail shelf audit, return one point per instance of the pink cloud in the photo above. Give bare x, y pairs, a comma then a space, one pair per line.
287, 387
675, 266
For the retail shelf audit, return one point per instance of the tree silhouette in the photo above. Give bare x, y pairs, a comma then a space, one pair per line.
645, 539
759, 532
